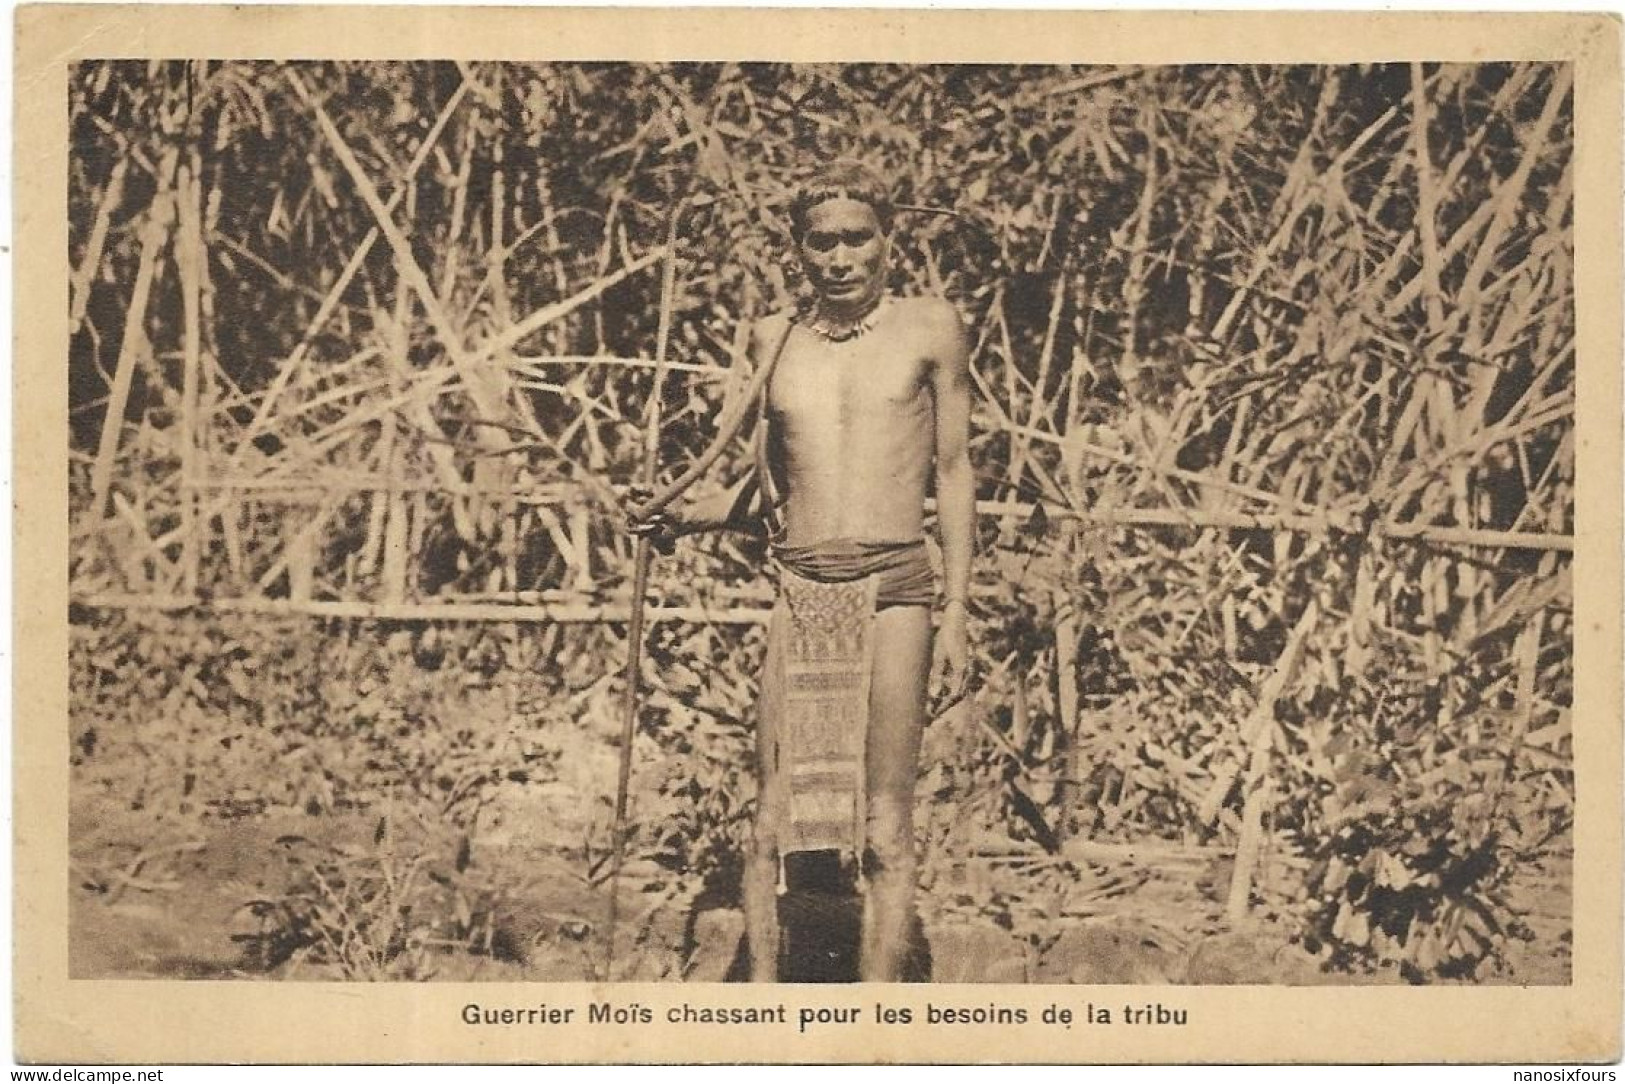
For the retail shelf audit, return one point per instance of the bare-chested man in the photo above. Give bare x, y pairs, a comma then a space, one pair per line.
869, 396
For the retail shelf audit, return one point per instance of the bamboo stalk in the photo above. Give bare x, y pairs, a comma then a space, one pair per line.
1320, 524
231, 535
397, 532
549, 314
562, 614
154, 235
1505, 97
372, 545
1259, 733
1297, 195
272, 270
1315, 524
1066, 702
189, 257
1128, 459
1100, 79
1516, 424
1526, 660
1509, 194
1482, 218
728, 426
486, 394
85, 274
212, 374
298, 553
162, 562
1134, 278
1427, 199
580, 519
326, 480
1019, 444
432, 382
536, 361
1046, 352
330, 302
459, 211
1045, 481
393, 554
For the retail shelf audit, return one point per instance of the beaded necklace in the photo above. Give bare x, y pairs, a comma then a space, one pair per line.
840, 331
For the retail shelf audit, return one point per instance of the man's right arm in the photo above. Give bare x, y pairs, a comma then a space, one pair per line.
732, 508
736, 506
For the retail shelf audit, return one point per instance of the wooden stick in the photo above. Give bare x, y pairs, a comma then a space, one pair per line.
641, 555
1320, 523
533, 613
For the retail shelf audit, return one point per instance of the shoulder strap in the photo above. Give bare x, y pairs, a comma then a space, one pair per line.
772, 499
727, 427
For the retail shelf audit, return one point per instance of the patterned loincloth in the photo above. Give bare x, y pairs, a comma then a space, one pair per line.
825, 717
816, 689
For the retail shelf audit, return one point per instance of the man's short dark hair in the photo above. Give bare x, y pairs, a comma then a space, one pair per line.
843, 178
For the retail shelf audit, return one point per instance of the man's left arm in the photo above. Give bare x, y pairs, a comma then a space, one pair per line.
956, 488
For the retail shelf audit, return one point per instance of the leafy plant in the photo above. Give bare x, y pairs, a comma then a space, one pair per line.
380, 913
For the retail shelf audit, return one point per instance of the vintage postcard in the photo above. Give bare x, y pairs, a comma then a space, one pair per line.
786, 535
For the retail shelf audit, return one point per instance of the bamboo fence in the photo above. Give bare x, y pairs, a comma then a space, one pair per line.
451, 462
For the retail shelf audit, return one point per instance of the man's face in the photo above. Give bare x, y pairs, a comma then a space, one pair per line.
844, 252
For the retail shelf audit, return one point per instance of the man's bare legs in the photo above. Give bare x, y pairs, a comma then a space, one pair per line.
897, 690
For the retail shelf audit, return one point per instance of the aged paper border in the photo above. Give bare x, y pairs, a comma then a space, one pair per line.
58, 1020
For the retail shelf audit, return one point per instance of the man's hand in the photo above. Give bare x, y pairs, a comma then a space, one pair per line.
660, 528
950, 675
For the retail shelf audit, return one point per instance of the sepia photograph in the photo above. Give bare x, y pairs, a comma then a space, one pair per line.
689, 521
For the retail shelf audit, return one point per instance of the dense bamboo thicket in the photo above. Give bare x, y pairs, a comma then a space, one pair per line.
1274, 431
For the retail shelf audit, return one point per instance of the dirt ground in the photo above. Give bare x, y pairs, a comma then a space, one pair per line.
181, 903
335, 837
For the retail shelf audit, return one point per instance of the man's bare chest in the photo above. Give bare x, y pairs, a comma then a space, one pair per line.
859, 384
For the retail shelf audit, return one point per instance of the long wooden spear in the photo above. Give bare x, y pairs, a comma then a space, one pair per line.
640, 585
728, 426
